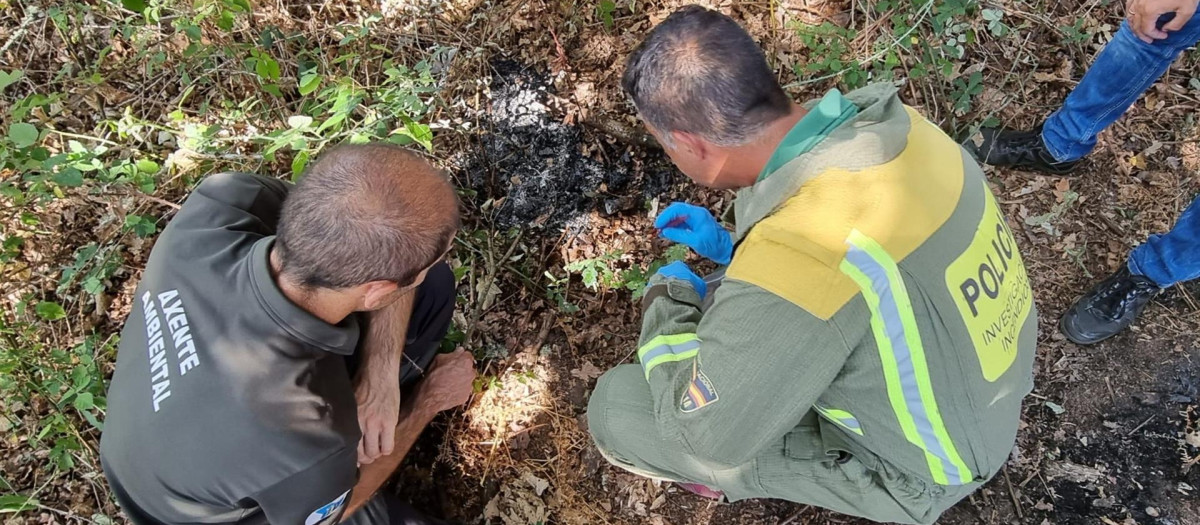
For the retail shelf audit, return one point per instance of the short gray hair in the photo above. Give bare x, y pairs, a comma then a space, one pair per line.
362, 213
700, 72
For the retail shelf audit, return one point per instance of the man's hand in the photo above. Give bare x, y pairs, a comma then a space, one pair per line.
449, 382
378, 396
698, 229
1144, 15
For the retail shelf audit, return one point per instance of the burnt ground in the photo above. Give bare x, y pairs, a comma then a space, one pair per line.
527, 164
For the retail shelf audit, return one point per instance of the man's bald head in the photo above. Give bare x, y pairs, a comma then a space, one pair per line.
362, 213
699, 72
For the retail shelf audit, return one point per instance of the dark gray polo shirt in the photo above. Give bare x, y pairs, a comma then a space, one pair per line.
229, 403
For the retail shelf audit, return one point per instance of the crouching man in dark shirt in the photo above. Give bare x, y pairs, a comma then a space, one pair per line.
260, 371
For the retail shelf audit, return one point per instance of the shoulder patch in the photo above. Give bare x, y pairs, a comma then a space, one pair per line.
328, 513
699, 394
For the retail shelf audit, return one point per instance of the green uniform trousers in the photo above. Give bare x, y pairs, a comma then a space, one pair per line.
803, 467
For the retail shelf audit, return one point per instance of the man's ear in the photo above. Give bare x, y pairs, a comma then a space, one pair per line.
692, 144
377, 294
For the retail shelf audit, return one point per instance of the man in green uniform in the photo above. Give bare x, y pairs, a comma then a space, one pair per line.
259, 374
873, 336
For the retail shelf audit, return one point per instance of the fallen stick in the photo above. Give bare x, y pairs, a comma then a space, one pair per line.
622, 132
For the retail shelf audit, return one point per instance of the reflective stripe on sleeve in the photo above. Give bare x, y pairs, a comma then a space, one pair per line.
666, 349
904, 367
842, 418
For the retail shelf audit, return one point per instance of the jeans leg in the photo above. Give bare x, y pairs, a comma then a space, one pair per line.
1124, 69
430, 320
1174, 256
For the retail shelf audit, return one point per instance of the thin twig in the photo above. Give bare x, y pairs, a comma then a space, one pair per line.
22, 29
1144, 423
1013, 494
141, 195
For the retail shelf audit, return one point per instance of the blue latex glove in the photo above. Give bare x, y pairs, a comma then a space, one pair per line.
695, 227
679, 270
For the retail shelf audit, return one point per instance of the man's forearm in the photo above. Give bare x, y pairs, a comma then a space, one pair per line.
413, 419
383, 347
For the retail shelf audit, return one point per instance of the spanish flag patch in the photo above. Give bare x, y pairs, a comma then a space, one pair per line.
699, 394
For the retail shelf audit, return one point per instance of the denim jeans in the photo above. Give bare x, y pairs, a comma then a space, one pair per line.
1174, 256
1123, 70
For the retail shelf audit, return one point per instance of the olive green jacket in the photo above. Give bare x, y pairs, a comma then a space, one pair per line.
874, 281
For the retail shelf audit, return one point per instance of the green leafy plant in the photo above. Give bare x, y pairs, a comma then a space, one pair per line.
1075, 33
636, 279
137, 101
995, 22
965, 91
600, 273
556, 289
597, 272
927, 41
70, 381
141, 225
14, 503
92, 268
604, 11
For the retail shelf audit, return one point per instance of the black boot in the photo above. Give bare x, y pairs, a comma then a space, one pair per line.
1108, 308
1018, 149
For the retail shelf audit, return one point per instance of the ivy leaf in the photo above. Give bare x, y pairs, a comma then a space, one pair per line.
22, 134
91, 418
147, 166
309, 82
225, 21
417, 132
460, 272
7, 78
141, 225
69, 177
80, 377
299, 121
84, 402
298, 164
93, 285
267, 68
50, 311
590, 277
605, 10
136, 6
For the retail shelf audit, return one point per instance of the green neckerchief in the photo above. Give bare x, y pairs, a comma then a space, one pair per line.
830, 112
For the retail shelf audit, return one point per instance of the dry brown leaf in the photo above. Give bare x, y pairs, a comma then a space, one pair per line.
1045, 77
587, 372
539, 485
